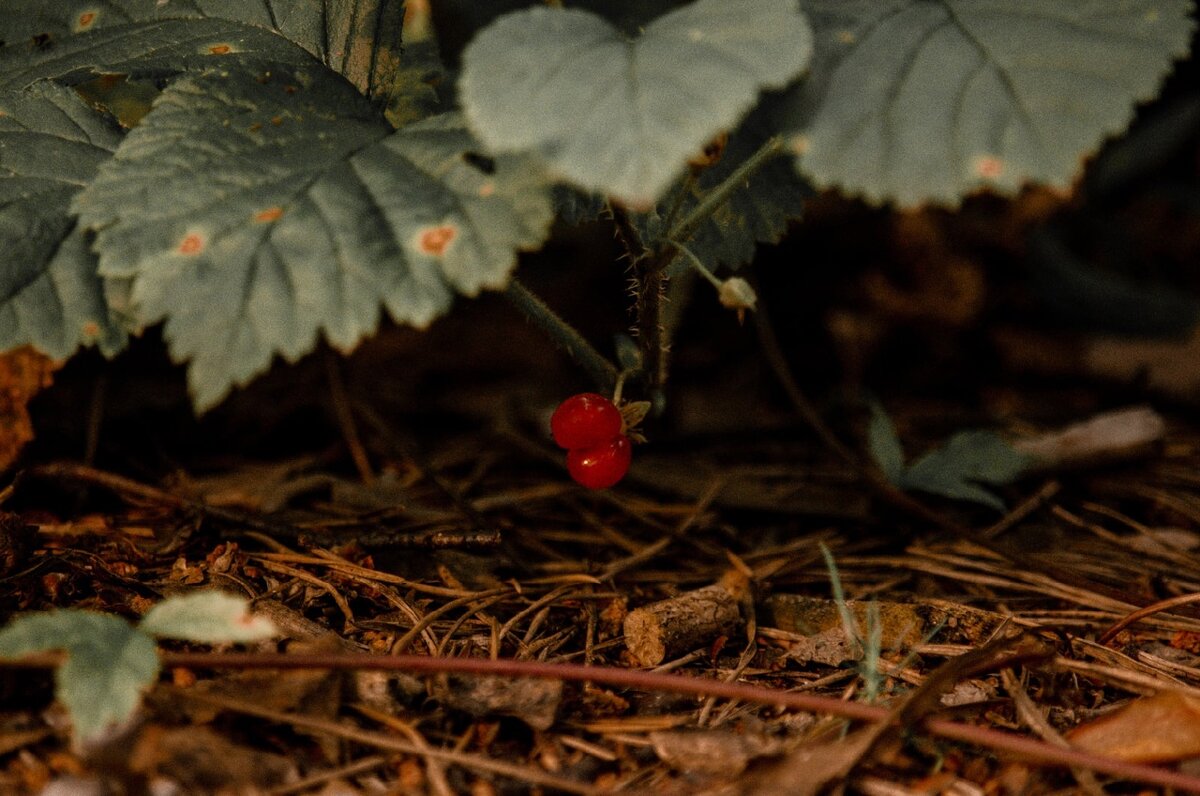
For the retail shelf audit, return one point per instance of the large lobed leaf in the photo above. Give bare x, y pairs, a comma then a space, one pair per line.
108, 665
360, 39
51, 144
912, 100
149, 48
254, 212
622, 117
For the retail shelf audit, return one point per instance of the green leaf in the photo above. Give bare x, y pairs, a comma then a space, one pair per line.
757, 212
147, 49
884, 444
255, 213
360, 39
622, 117
109, 664
912, 101
208, 616
968, 459
51, 144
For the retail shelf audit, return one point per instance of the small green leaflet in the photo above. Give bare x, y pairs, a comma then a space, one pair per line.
622, 117
51, 144
109, 664
912, 101
207, 616
956, 470
255, 212
359, 39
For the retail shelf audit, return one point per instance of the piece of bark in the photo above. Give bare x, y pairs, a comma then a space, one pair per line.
661, 630
822, 637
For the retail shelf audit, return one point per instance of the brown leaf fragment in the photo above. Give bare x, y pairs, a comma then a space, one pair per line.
1156, 729
808, 770
198, 760
534, 702
23, 374
712, 751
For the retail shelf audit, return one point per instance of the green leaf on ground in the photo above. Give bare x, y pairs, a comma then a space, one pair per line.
968, 459
912, 101
622, 117
884, 444
955, 470
256, 213
109, 664
207, 616
50, 295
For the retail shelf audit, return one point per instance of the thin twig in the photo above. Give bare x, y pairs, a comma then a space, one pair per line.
382, 741
1030, 714
1142, 613
599, 369
1031, 749
345, 417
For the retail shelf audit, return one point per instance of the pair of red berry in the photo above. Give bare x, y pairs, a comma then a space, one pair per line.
593, 431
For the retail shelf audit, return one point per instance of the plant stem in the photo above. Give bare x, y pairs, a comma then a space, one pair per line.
651, 337
698, 266
712, 202
598, 368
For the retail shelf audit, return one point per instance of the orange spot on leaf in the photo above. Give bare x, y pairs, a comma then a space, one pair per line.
276, 120
220, 49
487, 189
989, 167
85, 20
192, 243
91, 329
268, 215
436, 240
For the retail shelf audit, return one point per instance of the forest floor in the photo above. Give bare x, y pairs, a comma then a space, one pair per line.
763, 615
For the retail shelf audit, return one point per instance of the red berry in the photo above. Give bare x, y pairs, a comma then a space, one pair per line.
600, 466
585, 420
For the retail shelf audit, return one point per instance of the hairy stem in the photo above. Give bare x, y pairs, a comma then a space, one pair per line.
598, 368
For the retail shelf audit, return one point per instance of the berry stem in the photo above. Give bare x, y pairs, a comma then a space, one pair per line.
598, 368
696, 264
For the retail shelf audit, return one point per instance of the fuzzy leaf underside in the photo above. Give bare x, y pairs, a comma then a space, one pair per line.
207, 616
622, 116
913, 101
109, 664
149, 49
359, 39
255, 213
51, 144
